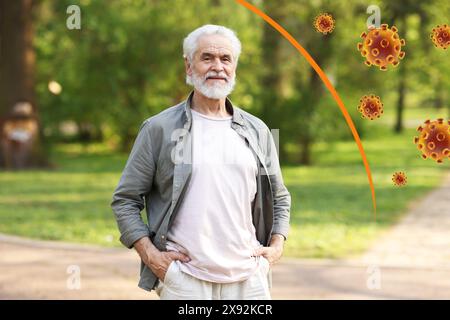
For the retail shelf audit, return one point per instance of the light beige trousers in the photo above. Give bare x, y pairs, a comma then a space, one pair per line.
179, 285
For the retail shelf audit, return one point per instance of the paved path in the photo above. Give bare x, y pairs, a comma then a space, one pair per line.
410, 261
39, 269
422, 238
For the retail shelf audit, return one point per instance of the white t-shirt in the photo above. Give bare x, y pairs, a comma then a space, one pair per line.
214, 223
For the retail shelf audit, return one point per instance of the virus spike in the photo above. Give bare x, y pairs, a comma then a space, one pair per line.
440, 136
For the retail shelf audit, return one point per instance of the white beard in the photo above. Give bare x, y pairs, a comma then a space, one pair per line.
213, 91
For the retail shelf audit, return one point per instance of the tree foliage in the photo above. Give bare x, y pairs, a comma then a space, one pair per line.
125, 64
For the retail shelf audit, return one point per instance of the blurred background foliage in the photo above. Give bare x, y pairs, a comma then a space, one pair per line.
125, 64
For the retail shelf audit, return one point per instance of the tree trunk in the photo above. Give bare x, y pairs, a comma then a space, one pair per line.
305, 153
401, 100
271, 54
398, 128
313, 89
271, 79
19, 125
310, 102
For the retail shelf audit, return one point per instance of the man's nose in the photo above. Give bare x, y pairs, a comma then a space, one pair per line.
217, 65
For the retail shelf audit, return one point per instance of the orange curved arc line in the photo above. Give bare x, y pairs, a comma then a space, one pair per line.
329, 86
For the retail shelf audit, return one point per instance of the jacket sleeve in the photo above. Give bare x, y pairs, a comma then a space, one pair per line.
135, 183
280, 194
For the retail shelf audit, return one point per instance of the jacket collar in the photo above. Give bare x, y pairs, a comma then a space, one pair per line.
236, 114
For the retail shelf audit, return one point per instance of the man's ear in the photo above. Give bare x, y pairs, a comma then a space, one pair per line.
188, 66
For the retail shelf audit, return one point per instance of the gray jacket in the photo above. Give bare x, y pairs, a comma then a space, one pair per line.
159, 168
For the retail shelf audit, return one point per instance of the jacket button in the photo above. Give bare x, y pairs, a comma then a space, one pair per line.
162, 237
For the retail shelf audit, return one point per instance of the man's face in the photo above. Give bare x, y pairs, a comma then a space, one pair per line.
212, 70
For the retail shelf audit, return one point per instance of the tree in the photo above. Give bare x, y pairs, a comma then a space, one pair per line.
400, 11
21, 145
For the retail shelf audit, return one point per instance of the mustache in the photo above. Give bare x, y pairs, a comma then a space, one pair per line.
211, 75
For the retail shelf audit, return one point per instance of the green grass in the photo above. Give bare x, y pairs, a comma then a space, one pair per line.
332, 213
69, 203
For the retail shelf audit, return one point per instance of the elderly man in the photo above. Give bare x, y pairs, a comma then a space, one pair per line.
208, 174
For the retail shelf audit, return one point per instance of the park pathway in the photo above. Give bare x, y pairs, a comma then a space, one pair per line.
409, 261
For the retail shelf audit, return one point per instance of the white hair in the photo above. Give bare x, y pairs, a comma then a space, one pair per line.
190, 43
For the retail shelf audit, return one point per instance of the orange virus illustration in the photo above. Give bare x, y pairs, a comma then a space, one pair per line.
441, 36
399, 179
382, 47
370, 107
434, 139
324, 23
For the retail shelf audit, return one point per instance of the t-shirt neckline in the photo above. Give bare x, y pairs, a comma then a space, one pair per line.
210, 117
